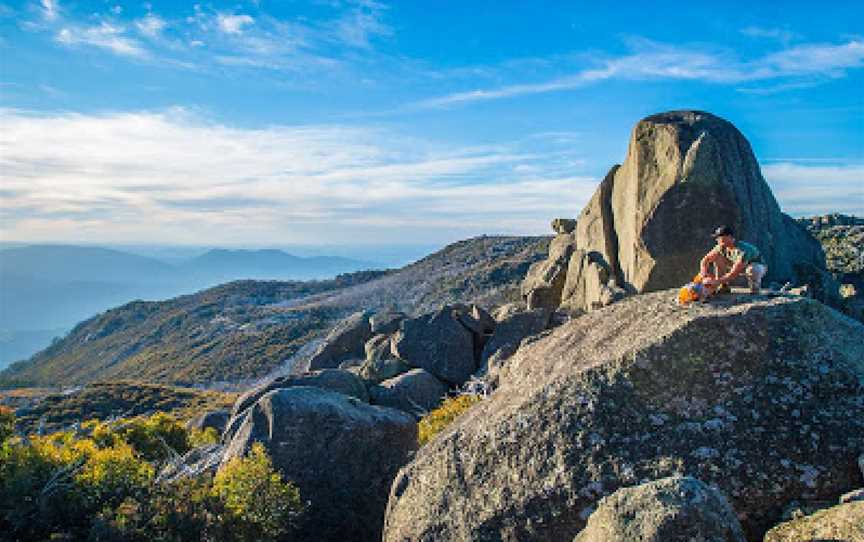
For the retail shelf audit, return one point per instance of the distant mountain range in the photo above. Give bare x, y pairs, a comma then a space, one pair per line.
245, 329
221, 265
47, 289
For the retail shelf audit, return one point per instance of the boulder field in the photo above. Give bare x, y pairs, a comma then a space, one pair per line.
761, 397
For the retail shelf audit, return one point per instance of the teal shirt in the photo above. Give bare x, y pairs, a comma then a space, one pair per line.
742, 251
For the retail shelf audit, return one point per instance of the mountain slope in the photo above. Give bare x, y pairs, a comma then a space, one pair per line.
46, 288
245, 329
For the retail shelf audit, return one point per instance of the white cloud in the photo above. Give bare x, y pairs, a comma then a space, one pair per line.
661, 61
151, 25
170, 176
810, 59
233, 24
105, 36
50, 9
358, 26
807, 189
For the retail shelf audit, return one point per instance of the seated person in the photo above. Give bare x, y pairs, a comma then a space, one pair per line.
730, 259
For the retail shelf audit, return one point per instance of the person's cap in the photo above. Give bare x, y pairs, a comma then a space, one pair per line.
722, 230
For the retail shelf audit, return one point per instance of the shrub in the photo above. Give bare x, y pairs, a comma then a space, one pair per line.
154, 438
256, 496
7, 423
437, 420
98, 483
203, 437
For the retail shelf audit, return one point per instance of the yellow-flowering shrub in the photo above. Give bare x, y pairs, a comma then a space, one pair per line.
109, 475
435, 422
256, 496
98, 482
154, 438
202, 437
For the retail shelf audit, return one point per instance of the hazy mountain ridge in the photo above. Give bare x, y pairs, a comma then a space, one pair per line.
46, 288
244, 329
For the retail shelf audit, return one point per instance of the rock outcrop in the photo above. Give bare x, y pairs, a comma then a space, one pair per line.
545, 280
340, 452
416, 392
677, 508
563, 225
438, 342
844, 522
386, 322
508, 335
650, 220
761, 397
376, 370
338, 380
344, 342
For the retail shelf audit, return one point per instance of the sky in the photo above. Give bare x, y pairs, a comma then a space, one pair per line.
369, 122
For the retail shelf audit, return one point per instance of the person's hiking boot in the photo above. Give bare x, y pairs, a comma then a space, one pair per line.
724, 289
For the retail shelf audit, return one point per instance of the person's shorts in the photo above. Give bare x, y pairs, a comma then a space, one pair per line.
755, 272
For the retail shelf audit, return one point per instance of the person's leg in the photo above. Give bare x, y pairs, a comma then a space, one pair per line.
755, 272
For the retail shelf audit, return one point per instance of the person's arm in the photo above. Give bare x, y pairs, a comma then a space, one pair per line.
736, 270
706, 262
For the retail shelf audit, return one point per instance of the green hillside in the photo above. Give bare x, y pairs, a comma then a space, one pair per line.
103, 400
243, 330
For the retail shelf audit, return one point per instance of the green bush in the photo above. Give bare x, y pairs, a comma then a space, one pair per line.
99, 483
257, 497
7, 423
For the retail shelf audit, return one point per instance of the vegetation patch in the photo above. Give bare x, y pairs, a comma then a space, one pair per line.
100, 482
118, 399
437, 420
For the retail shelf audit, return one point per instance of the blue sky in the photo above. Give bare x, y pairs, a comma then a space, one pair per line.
364, 122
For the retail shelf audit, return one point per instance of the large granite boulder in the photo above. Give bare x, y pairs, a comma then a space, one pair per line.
508, 334
762, 397
438, 342
340, 452
344, 342
378, 347
650, 220
386, 322
376, 371
338, 380
545, 280
590, 284
844, 522
674, 509
416, 392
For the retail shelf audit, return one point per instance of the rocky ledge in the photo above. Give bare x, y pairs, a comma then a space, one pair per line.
761, 397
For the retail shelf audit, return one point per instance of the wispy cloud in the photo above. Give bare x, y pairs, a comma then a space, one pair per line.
233, 24
50, 10
803, 188
658, 61
205, 38
105, 36
151, 25
360, 25
780, 34
171, 175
